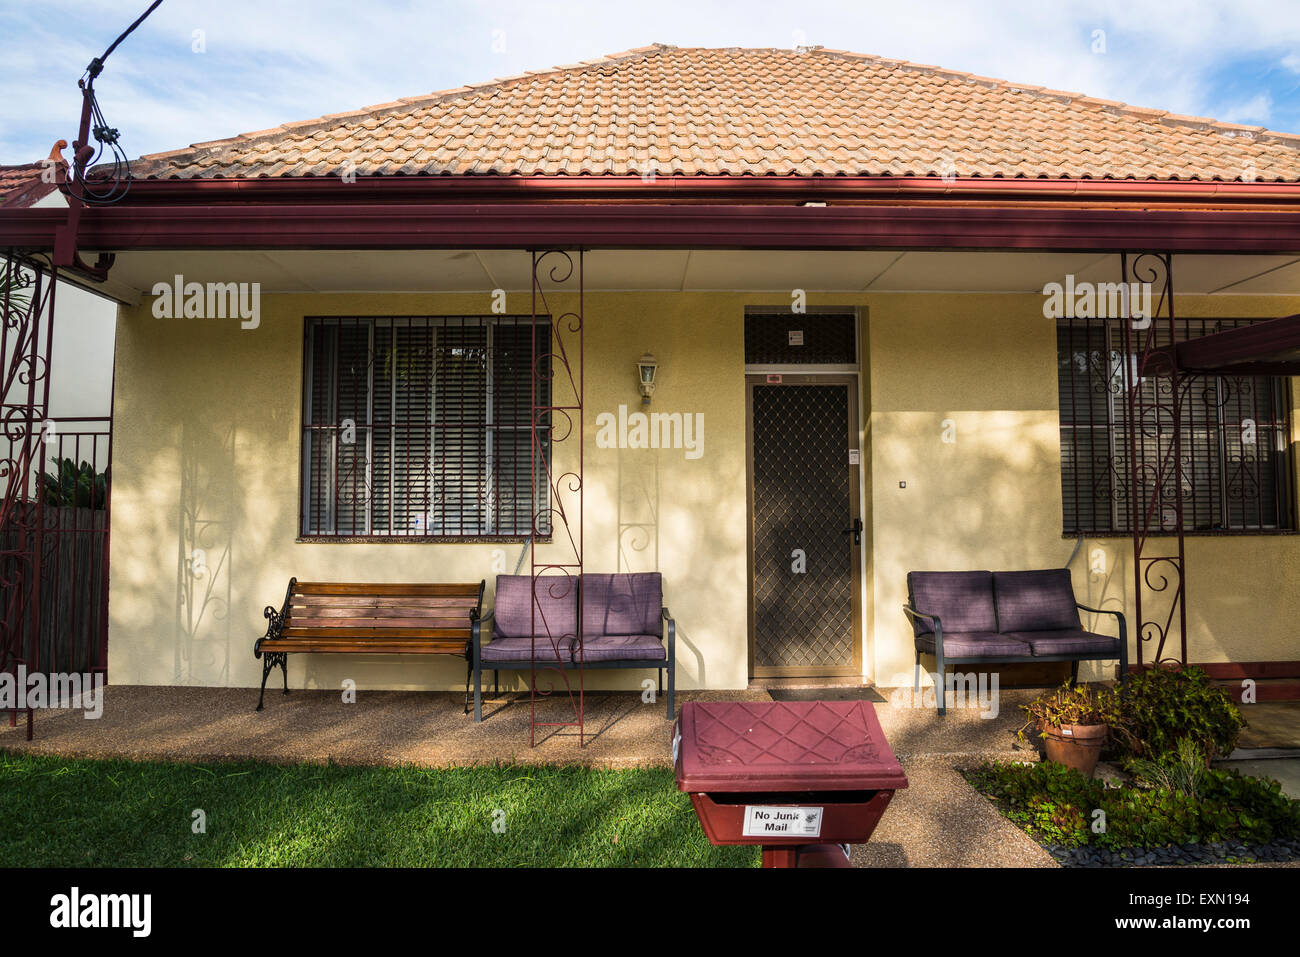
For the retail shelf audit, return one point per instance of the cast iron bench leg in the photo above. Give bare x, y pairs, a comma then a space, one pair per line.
916, 676
269, 660
1074, 673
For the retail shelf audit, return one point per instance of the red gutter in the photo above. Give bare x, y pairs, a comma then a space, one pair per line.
890, 190
516, 225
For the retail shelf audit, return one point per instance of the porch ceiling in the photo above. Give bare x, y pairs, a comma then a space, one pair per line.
284, 271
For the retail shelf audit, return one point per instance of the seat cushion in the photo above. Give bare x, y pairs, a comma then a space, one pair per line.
556, 602
976, 644
521, 649
626, 604
623, 648
962, 600
1064, 641
1039, 600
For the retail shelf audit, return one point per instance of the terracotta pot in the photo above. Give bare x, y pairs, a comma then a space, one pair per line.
1076, 746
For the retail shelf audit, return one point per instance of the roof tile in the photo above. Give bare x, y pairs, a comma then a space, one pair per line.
749, 112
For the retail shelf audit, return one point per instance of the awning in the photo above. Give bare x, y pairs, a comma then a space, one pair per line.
1264, 348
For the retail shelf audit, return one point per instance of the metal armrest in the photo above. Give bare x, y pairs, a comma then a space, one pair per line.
476, 626
938, 626
670, 627
1119, 616
913, 613
275, 619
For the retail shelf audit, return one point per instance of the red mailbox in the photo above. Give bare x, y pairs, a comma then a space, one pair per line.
798, 777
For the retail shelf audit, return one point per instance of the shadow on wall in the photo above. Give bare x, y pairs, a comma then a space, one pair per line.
203, 555
637, 543
638, 513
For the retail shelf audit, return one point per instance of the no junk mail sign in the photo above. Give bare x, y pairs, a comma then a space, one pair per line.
782, 821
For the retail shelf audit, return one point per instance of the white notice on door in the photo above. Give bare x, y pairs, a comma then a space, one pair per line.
796, 337
782, 822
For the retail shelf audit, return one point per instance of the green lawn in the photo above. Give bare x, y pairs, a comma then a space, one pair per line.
72, 813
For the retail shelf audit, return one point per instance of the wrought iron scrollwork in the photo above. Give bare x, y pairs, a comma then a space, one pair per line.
27, 294
1154, 395
275, 619
556, 426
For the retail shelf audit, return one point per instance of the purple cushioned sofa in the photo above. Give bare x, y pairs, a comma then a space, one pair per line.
968, 617
624, 625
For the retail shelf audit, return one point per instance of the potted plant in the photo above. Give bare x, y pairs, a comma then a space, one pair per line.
1072, 721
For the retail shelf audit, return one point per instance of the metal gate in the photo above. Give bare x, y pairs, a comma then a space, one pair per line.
54, 501
805, 527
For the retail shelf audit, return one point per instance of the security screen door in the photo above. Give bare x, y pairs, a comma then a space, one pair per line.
805, 526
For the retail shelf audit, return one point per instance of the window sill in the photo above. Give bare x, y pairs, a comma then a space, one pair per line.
418, 540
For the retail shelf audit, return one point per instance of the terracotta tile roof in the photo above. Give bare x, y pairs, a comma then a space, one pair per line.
21, 185
749, 111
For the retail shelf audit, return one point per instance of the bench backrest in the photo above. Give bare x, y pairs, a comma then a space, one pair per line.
1037, 600
359, 611
963, 601
612, 604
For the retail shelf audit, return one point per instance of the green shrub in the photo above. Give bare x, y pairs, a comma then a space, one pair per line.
70, 484
1182, 770
1160, 706
1057, 805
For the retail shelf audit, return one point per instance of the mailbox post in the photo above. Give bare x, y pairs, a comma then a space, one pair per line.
802, 779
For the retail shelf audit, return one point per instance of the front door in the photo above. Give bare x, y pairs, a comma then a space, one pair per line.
805, 526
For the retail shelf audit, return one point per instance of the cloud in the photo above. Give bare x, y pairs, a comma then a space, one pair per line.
269, 63
1258, 109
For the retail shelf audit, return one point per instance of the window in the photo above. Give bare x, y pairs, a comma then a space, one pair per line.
818, 336
420, 427
1235, 467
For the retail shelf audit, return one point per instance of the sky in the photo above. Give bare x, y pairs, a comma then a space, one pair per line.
201, 70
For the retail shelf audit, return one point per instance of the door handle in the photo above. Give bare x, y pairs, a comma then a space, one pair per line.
855, 531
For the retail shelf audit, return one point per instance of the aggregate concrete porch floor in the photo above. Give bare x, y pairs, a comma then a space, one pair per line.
938, 821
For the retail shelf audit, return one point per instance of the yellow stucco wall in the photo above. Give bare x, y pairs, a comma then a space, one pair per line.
206, 457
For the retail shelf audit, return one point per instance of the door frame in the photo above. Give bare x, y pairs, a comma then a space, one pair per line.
796, 376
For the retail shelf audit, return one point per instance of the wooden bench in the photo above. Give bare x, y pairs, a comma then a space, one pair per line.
368, 619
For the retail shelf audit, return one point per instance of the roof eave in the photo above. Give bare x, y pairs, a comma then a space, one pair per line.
744, 190
513, 225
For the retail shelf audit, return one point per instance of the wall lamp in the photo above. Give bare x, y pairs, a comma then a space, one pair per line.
647, 367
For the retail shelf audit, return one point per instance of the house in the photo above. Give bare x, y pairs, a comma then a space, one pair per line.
896, 316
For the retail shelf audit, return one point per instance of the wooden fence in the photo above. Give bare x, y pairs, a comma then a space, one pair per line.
73, 619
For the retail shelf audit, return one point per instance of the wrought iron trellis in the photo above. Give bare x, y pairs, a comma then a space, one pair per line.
1156, 464
27, 287
556, 572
